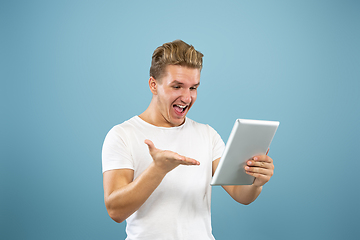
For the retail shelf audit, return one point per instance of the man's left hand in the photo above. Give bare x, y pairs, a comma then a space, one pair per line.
261, 167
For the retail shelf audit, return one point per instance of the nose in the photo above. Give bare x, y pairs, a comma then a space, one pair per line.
186, 96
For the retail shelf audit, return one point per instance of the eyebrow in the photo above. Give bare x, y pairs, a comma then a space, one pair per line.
180, 83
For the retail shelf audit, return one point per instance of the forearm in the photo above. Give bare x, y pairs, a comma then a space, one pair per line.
124, 201
244, 194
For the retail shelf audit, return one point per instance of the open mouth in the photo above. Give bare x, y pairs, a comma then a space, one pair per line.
180, 109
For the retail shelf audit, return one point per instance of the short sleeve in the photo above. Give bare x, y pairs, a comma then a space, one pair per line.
218, 145
115, 151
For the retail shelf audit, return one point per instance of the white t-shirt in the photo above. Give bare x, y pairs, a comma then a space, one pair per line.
179, 208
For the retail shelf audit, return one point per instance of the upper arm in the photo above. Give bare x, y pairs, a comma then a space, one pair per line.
215, 163
116, 179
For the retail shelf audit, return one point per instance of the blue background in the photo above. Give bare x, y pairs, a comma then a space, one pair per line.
70, 70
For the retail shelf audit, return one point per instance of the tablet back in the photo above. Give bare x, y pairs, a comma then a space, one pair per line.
248, 138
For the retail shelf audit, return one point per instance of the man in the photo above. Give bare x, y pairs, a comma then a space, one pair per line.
157, 166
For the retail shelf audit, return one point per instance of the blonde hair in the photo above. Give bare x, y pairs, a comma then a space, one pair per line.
174, 53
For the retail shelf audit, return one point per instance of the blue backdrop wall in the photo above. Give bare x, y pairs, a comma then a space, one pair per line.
70, 70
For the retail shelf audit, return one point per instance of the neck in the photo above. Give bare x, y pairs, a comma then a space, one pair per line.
155, 117
150, 115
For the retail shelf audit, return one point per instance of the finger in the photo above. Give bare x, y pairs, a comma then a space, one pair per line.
173, 156
258, 170
176, 157
258, 175
190, 161
185, 160
260, 164
263, 158
260, 179
150, 145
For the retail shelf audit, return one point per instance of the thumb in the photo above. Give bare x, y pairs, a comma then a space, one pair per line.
150, 145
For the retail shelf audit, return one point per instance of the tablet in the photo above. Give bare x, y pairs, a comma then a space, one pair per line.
247, 139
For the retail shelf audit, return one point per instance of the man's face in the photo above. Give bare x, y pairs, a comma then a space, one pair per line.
176, 93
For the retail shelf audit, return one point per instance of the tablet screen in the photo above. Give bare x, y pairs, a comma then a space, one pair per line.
247, 139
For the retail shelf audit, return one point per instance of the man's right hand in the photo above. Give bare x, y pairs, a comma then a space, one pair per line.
166, 160
124, 194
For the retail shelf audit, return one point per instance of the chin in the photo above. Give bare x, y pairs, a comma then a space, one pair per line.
177, 122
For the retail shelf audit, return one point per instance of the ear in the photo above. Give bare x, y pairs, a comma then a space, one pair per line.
153, 85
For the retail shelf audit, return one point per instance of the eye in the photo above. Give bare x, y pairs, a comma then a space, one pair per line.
193, 88
176, 87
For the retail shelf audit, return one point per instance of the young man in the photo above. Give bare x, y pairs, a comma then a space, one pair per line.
157, 166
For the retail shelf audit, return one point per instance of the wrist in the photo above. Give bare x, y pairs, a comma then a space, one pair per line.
256, 185
157, 170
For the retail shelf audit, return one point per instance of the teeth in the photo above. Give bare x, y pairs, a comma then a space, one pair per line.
181, 106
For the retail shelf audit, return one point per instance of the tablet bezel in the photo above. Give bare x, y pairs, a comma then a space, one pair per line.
247, 139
